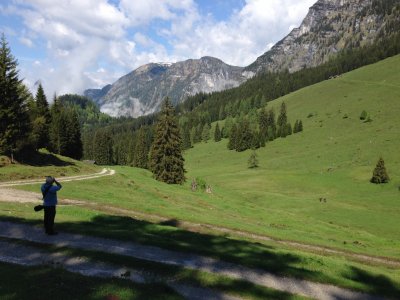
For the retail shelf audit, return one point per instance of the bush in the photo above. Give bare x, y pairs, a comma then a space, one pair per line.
363, 115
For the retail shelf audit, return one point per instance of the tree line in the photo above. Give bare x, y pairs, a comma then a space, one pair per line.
28, 123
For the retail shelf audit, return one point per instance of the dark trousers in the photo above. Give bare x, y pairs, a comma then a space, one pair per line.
49, 216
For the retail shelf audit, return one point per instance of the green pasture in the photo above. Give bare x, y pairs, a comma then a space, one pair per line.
43, 164
332, 159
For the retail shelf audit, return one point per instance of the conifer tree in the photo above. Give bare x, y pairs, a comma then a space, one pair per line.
15, 123
271, 131
42, 106
103, 147
282, 121
186, 138
296, 126
217, 133
263, 123
74, 146
206, 133
41, 124
141, 151
300, 126
166, 160
379, 174
244, 136
253, 160
233, 137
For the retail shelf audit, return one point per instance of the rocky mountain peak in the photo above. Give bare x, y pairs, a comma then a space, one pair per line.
330, 26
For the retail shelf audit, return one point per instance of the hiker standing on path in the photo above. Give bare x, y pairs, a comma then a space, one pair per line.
49, 192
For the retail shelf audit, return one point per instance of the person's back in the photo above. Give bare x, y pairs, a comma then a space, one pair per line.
49, 192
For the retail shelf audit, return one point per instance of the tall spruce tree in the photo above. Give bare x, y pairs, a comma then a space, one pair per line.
166, 160
233, 137
103, 147
74, 146
41, 123
271, 125
205, 135
282, 121
141, 150
217, 133
186, 139
379, 174
15, 122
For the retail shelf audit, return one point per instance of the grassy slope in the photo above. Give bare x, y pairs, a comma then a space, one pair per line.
333, 158
44, 164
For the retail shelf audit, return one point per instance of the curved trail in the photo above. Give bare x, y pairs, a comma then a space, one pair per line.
104, 172
185, 260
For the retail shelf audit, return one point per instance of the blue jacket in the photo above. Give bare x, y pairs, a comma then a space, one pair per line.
51, 196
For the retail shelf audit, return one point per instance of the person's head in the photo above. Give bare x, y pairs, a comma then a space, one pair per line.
49, 179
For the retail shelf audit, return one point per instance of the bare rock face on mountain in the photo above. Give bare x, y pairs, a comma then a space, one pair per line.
329, 27
142, 91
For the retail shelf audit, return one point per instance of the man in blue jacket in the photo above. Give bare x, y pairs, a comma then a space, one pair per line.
49, 192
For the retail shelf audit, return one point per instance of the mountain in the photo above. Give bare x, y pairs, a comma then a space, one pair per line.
329, 27
142, 91
97, 94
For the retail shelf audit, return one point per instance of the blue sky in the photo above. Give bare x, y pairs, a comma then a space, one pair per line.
72, 45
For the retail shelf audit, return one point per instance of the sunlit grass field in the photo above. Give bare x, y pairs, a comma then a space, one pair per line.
332, 159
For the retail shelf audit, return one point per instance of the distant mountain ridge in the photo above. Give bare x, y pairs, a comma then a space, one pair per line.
141, 91
329, 27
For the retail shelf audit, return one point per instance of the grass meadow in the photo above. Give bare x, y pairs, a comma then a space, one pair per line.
333, 159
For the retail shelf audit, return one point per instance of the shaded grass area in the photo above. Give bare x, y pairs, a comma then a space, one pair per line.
41, 164
326, 269
159, 273
38, 283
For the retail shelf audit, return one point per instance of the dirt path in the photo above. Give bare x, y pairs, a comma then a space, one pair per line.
104, 172
11, 195
32, 256
186, 260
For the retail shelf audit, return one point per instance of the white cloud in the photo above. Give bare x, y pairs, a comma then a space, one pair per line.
246, 35
83, 36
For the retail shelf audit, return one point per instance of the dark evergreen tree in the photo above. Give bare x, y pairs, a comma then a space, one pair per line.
166, 160
253, 160
72, 135
282, 121
233, 137
263, 124
300, 126
271, 125
42, 120
15, 122
103, 147
379, 174
296, 126
205, 136
186, 139
141, 150
217, 133
244, 137
288, 129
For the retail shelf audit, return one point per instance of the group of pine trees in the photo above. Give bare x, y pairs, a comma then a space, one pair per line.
243, 135
27, 122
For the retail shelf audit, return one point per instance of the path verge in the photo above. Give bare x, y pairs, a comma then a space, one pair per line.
185, 260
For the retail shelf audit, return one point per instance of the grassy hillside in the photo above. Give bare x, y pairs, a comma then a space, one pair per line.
42, 164
333, 159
